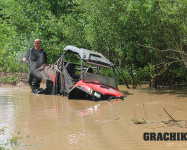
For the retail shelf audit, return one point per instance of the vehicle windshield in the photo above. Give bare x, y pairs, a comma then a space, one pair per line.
96, 78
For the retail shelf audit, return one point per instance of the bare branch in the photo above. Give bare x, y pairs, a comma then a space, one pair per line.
144, 111
177, 51
184, 60
183, 54
169, 115
170, 62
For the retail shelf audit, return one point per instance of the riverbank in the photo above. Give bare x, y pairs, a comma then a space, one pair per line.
23, 81
18, 79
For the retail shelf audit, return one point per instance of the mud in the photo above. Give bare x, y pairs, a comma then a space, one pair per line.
53, 122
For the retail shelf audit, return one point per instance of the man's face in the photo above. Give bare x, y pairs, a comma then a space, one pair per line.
37, 44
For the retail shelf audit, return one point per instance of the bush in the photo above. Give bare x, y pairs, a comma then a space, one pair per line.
13, 80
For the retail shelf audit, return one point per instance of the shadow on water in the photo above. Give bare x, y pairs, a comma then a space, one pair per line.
178, 91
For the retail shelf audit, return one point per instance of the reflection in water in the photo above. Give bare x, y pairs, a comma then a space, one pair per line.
96, 108
7, 111
5, 100
78, 137
54, 122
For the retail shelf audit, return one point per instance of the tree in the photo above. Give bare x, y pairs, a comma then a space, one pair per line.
146, 40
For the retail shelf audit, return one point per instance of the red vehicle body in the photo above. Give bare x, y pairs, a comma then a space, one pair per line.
85, 78
95, 91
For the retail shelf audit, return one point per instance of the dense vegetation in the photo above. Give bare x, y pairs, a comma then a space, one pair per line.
145, 39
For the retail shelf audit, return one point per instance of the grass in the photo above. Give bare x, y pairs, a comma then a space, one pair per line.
12, 141
13, 80
136, 121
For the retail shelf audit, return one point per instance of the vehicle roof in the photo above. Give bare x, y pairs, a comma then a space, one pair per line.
89, 56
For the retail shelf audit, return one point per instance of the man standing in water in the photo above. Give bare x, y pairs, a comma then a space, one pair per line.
38, 59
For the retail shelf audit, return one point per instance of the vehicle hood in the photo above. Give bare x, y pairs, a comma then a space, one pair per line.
105, 90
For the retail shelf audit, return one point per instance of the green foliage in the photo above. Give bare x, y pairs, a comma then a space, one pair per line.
13, 80
136, 121
2, 131
116, 28
12, 141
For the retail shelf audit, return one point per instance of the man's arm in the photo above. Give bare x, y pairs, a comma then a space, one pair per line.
27, 55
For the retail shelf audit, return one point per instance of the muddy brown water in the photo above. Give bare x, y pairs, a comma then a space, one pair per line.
48, 122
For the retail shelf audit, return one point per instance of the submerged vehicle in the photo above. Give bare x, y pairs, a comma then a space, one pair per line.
80, 74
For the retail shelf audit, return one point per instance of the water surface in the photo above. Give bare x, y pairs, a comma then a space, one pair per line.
49, 122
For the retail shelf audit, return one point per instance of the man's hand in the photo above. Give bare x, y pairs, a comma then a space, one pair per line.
43, 66
24, 59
